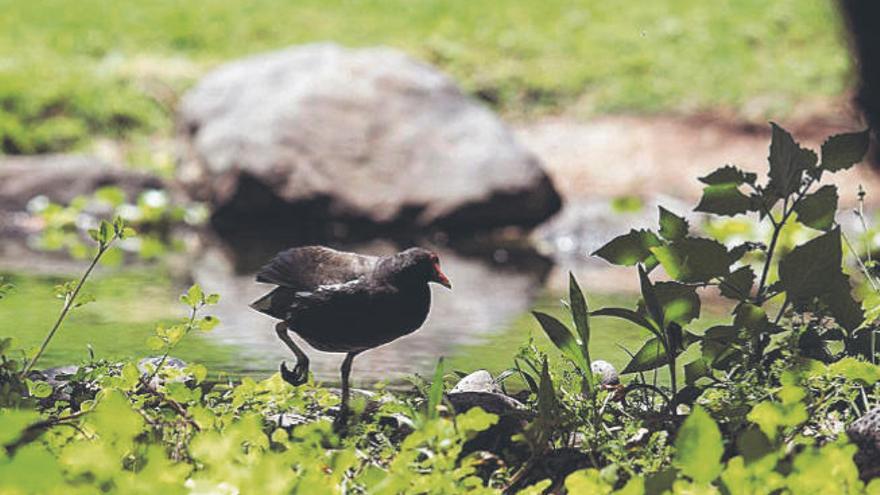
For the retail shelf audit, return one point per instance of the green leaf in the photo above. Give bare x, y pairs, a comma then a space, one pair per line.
738, 285
725, 200
853, 369
806, 271
672, 226
817, 210
207, 323
680, 302
729, 174
629, 249
649, 296
842, 151
562, 338
698, 447
435, 394
212, 299
40, 390
788, 161
696, 369
751, 317
581, 316
626, 314
105, 232
843, 307
193, 297
694, 259
155, 343
651, 355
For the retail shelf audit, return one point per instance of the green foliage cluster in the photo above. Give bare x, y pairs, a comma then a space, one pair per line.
762, 408
117, 68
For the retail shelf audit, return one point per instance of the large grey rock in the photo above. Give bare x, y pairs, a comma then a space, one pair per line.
61, 178
354, 134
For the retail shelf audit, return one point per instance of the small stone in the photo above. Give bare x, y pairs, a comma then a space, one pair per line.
608, 376
478, 381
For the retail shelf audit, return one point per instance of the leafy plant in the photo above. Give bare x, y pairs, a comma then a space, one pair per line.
809, 278
105, 235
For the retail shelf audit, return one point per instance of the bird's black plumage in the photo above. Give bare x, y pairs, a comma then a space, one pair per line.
346, 302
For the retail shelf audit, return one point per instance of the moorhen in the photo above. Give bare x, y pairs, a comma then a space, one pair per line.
346, 302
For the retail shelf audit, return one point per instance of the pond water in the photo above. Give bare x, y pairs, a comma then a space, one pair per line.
479, 324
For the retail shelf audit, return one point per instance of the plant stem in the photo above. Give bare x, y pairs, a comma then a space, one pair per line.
68, 305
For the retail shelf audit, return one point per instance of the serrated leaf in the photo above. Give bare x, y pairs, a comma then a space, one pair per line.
680, 302
698, 447
208, 323
807, 269
629, 249
40, 390
738, 285
155, 343
694, 259
817, 210
562, 338
842, 151
672, 226
847, 312
724, 199
651, 355
751, 317
728, 174
788, 162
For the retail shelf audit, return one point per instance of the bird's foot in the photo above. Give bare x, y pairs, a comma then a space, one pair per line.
296, 377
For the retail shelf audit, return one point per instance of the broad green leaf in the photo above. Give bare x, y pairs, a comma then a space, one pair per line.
770, 416
562, 338
698, 447
738, 285
626, 314
724, 199
853, 369
728, 174
587, 481
842, 151
806, 271
629, 249
207, 323
696, 369
694, 259
788, 161
672, 226
651, 355
817, 210
680, 302
843, 307
751, 317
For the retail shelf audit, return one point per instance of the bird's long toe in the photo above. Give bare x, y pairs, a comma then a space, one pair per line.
296, 377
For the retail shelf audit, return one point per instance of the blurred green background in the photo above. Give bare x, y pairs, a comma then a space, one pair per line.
115, 68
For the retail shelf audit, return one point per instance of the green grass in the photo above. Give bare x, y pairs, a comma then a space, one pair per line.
129, 305
607, 337
116, 67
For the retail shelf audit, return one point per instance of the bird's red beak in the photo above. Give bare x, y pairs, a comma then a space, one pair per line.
440, 277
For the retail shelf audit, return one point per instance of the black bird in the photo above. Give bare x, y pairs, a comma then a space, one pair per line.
346, 302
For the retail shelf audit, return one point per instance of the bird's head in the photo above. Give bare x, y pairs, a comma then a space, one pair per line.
423, 264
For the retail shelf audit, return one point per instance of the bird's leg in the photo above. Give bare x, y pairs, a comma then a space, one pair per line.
300, 373
346, 373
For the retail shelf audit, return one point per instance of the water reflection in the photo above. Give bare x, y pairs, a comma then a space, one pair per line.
494, 283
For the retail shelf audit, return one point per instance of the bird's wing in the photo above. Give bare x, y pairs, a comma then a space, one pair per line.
308, 268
